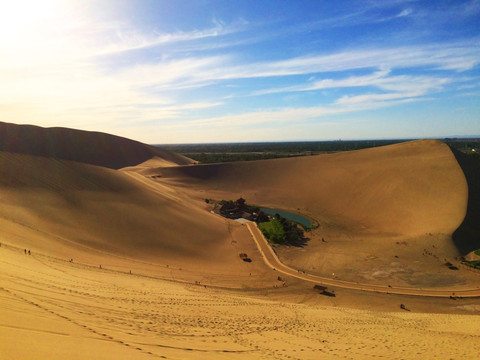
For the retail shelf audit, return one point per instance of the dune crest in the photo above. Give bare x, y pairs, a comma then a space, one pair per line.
89, 147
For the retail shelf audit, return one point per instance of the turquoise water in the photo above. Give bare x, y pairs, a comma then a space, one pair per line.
302, 220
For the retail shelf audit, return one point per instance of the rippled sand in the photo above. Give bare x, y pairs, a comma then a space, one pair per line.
54, 309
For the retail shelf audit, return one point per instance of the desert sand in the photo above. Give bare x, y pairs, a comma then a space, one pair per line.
127, 261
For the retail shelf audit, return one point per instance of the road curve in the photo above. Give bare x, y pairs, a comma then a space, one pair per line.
274, 262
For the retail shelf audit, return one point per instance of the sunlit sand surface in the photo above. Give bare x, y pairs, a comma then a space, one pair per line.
55, 309
127, 261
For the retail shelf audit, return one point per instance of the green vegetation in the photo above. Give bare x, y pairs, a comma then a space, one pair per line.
210, 158
282, 231
276, 229
470, 147
273, 231
475, 264
477, 252
241, 205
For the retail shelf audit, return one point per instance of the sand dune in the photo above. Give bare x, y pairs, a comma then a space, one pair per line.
387, 213
72, 209
82, 146
155, 210
189, 294
409, 188
151, 166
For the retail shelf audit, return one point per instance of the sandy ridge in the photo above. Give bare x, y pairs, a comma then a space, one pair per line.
89, 147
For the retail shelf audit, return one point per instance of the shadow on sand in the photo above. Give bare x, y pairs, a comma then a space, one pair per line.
301, 243
467, 237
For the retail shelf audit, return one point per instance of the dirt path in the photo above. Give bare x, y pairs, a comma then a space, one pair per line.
273, 261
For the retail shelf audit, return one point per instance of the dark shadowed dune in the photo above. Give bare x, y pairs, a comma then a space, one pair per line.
93, 148
467, 236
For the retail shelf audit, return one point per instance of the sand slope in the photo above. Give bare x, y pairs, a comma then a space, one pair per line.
178, 301
82, 146
155, 210
387, 213
52, 309
408, 188
73, 209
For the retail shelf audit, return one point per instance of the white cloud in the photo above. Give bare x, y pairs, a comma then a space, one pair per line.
199, 71
58, 73
83, 93
132, 39
373, 98
453, 56
312, 85
389, 87
405, 12
298, 114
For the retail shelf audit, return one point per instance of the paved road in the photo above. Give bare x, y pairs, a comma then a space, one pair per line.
272, 261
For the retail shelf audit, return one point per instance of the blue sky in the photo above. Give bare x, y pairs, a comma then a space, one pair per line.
233, 71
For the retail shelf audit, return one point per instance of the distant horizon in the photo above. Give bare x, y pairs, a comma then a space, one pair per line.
460, 137
203, 71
